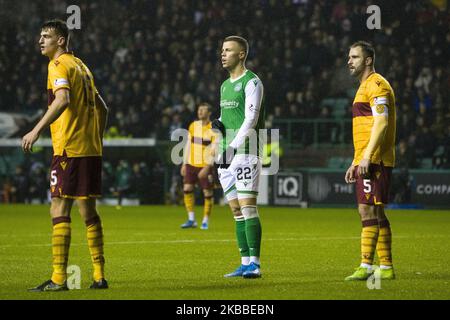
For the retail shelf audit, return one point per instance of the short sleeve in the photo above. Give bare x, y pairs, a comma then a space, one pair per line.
379, 93
58, 77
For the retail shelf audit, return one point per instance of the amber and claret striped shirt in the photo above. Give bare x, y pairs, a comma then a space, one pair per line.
77, 130
199, 144
373, 94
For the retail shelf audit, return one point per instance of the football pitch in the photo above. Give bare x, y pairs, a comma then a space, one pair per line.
306, 254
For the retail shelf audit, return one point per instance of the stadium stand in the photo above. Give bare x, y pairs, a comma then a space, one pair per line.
158, 59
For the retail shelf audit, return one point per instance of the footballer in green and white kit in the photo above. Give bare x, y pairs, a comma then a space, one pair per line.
239, 164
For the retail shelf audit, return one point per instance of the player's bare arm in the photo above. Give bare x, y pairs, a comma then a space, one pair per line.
103, 112
62, 100
380, 124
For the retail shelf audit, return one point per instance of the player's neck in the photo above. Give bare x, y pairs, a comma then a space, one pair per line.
58, 53
237, 71
205, 122
366, 74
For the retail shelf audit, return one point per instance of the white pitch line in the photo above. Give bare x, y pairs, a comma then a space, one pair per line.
207, 240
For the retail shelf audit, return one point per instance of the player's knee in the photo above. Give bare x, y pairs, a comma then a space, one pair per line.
60, 207
236, 210
380, 213
247, 201
207, 193
87, 209
367, 212
187, 188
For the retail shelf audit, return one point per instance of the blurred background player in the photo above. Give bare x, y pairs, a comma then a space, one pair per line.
239, 165
374, 119
77, 117
197, 166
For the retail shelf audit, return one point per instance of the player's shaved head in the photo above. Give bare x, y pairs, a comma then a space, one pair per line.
60, 28
367, 49
243, 44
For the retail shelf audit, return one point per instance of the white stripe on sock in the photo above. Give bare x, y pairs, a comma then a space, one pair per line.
255, 260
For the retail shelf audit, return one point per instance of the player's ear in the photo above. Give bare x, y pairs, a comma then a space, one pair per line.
369, 61
61, 42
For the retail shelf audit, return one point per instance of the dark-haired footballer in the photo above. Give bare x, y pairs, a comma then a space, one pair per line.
374, 158
77, 118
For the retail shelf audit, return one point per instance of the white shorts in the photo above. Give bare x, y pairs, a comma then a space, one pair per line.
241, 178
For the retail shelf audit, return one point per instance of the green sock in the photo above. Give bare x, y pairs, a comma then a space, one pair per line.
253, 232
241, 237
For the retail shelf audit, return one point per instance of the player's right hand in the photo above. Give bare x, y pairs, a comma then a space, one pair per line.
350, 175
28, 140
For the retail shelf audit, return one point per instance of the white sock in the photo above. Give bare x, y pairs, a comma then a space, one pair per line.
255, 260
367, 266
205, 219
245, 261
385, 267
191, 216
249, 212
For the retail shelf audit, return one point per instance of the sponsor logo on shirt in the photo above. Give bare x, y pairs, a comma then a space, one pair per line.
226, 104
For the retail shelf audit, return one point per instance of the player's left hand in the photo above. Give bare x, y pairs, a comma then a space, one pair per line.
363, 168
224, 160
28, 140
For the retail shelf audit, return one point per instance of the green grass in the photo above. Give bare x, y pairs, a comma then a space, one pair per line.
306, 253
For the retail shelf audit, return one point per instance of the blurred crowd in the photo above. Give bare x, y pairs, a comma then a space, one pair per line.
124, 179
154, 61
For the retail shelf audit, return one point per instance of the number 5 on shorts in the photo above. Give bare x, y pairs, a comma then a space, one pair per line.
367, 186
53, 178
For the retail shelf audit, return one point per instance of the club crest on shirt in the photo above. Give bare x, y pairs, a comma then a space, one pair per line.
380, 108
238, 87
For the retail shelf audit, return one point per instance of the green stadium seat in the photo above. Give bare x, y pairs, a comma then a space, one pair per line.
328, 102
426, 163
347, 162
335, 163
